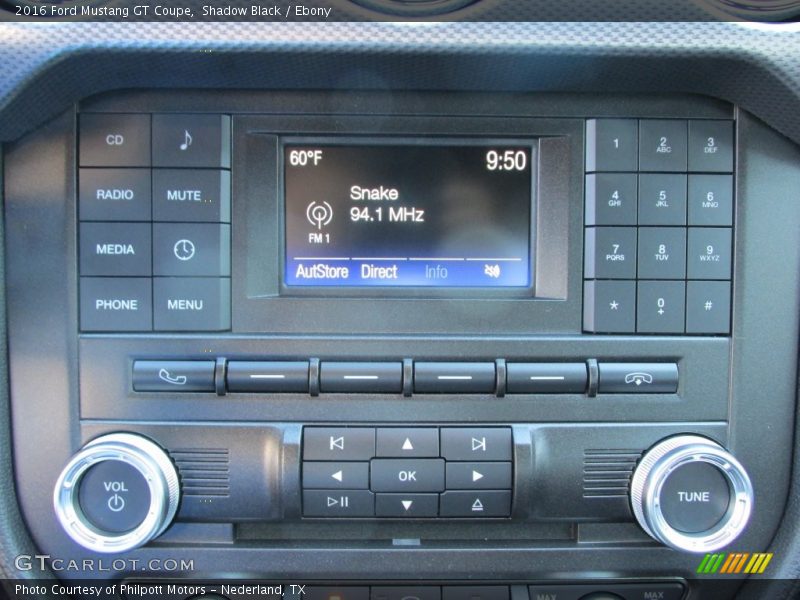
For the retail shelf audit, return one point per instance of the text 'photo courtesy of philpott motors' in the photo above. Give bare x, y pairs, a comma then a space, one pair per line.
440, 214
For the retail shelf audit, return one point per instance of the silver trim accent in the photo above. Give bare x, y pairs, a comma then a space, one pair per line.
659, 463
146, 457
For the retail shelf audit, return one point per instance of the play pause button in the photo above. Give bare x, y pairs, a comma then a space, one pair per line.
337, 503
406, 505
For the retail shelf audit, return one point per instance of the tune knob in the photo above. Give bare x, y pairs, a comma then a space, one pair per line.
118, 493
689, 493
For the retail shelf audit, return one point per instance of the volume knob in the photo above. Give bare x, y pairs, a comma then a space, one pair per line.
689, 493
118, 493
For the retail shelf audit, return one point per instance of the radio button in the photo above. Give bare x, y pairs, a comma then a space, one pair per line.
662, 145
476, 443
191, 304
194, 195
478, 476
662, 199
610, 253
609, 306
484, 504
121, 249
611, 144
408, 441
116, 304
711, 200
711, 146
338, 503
338, 443
611, 199
662, 253
708, 307
375, 377
638, 378
336, 475
546, 378
173, 376
114, 140
192, 141
407, 475
709, 253
191, 250
114, 195
454, 378
255, 376
660, 306
412, 506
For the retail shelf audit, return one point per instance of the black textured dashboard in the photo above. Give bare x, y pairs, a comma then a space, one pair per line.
279, 383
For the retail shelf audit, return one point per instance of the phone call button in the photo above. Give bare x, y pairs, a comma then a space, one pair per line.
173, 376
638, 378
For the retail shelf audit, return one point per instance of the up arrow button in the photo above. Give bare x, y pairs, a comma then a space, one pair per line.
416, 442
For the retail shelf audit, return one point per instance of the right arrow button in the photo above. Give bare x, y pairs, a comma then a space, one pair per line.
478, 476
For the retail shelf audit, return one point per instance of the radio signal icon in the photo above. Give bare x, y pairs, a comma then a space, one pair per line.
319, 214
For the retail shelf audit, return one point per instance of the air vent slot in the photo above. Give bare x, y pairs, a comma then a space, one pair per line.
204, 472
607, 473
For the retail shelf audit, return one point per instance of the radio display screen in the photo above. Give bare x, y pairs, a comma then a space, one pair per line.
418, 215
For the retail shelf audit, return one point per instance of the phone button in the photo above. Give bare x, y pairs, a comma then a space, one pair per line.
173, 376
638, 378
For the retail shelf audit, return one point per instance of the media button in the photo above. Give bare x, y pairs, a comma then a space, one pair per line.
114, 195
338, 503
114, 140
476, 443
407, 475
193, 195
411, 506
116, 304
121, 249
338, 443
191, 141
191, 303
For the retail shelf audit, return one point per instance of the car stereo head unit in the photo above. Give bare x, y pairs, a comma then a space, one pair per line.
416, 213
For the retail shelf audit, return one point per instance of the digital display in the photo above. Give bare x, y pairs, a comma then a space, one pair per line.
420, 215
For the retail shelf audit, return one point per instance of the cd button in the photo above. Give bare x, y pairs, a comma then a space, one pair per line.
194, 195
191, 141
407, 505
114, 195
476, 443
265, 376
638, 378
401, 442
336, 475
338, 503
478, 476
377, 377
546, 378
407, 475
444, 378
338, 443
114, 140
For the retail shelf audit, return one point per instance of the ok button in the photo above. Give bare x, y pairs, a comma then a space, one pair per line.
407, 475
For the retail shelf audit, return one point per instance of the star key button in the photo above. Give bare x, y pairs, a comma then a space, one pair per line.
609, 306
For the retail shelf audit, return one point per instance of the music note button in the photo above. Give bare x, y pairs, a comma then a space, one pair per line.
185, 140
